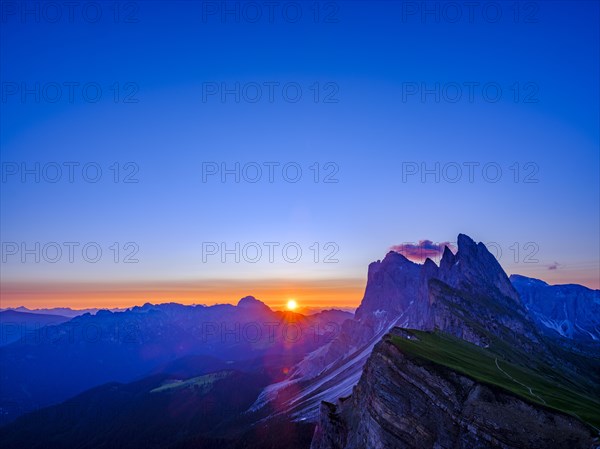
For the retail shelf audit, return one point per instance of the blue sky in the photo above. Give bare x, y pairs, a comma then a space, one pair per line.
365, 124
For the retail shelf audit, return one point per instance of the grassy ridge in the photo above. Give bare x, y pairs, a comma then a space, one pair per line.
539, 386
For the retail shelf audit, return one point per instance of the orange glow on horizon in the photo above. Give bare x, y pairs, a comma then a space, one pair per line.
317, 294
311, 294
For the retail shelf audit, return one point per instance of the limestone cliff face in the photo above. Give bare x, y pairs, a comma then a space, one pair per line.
402, 293
468, 296
401, 402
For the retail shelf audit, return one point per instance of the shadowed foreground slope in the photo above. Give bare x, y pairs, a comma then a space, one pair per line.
428, 390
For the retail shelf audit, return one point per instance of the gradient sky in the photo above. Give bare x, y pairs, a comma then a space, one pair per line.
371, 53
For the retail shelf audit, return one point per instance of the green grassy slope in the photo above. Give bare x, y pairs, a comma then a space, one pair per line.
539, 386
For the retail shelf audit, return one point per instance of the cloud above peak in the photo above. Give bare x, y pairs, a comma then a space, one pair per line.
422, 250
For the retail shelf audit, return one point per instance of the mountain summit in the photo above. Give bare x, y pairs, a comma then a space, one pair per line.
464, 361
250, 302
468, 296
394, 283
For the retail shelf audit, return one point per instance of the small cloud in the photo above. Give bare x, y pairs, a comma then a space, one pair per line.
553, 266
422, 250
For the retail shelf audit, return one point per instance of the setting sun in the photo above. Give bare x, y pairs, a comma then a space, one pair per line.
292, 304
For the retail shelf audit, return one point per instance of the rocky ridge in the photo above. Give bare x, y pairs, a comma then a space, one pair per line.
404, 402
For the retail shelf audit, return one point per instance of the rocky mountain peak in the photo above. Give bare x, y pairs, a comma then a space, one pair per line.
250, 302
430, 269
395, 283
393, 258
466, 243
473, 267
448, 260
391, 284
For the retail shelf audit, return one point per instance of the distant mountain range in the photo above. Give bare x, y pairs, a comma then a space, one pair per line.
71, 313
52, 363
571, 311
456, 356
61, 311
16, 325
